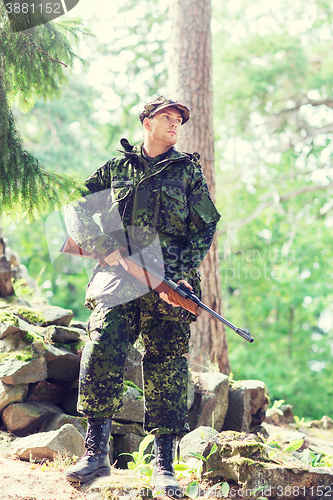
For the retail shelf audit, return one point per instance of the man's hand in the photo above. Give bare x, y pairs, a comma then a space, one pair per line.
165, 297
114, 258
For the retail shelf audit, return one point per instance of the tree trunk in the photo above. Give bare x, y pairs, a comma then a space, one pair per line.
190, 81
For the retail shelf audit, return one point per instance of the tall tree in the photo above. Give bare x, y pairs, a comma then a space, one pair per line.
190, 80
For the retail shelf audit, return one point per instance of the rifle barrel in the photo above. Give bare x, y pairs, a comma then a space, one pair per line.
243, 333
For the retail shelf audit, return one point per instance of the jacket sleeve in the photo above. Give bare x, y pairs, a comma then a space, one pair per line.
79, 217
203, 220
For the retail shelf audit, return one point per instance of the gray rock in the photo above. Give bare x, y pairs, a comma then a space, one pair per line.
243, 458
286, 417
15, 372
194, 442
319, 445
62, 364
119, 428
283, 434
133, 370
20, 325
133, 410
259, 400
69, 402
214, 392
46, 392
12, 394
7, 328
12, 343
57, 421
82, 325
47, 445
239, 416
56, 315
324, 423
62, 334
24, 418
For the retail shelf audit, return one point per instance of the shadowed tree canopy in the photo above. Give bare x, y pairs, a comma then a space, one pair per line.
32, 64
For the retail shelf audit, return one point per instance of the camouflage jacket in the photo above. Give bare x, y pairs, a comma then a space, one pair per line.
168, 196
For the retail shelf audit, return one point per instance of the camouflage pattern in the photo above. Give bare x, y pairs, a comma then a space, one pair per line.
161, 103
165, 370
167, 196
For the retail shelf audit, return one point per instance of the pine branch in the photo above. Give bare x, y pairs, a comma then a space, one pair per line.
48, 55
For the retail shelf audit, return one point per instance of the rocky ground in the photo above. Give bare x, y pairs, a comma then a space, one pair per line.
23, 480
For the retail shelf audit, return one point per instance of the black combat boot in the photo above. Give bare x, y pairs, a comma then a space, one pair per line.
96, 458
164, 478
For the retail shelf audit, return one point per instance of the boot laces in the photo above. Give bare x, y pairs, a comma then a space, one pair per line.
164, 457
95, 431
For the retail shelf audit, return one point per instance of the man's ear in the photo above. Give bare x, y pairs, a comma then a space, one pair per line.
146, 124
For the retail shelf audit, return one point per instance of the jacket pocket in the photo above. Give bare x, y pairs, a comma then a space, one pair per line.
174, 207
120, 189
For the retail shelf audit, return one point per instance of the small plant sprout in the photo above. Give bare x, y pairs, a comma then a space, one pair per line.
316, 459
140, 463
277, 405
257, 490
184, 470
275, 450
298, 421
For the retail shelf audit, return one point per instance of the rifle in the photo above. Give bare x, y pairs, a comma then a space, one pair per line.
149, 269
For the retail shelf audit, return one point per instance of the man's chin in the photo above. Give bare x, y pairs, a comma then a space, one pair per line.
172, 139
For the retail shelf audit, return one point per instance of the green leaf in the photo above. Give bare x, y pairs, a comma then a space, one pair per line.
213, 450
145, 469
197, 455
181, 467
294, 445
193, 489
225, 488
145, 443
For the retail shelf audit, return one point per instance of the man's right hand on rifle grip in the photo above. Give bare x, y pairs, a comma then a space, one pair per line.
114, 258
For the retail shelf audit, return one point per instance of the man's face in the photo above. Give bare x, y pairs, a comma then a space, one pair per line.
164, 126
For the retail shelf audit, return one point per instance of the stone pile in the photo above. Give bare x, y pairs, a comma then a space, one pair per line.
40, 349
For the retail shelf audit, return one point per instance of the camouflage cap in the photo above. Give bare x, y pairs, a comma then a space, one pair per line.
161, 103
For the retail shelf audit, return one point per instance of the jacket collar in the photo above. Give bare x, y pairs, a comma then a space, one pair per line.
130, 151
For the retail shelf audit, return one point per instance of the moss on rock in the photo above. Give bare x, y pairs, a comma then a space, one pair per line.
9, 317
30, 315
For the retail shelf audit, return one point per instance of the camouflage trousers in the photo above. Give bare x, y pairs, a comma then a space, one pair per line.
164, 367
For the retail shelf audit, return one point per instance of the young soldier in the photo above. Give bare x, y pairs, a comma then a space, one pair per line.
151, 190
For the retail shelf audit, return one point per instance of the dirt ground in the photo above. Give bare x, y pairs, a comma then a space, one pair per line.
22, 480
25, 481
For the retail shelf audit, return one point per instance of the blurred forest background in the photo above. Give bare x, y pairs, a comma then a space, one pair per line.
273, 117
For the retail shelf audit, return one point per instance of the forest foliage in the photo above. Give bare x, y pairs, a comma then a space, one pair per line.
31, 68
273, 115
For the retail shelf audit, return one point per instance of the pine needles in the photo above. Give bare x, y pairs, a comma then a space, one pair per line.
32, 66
